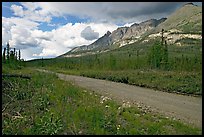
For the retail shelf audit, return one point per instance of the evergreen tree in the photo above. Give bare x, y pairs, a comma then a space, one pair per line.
8, 50
19, 55
158, 55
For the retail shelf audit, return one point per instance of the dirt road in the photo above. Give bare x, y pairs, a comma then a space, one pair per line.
186, 108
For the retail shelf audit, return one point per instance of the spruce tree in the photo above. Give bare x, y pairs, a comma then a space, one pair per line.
19, 55
8, 50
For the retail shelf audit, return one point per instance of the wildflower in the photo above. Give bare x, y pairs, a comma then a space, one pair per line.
107, 106
126, 105
118, 127
103, 99
138, 115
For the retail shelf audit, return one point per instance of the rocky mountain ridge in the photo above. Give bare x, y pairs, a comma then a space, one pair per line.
120, 34
185, 22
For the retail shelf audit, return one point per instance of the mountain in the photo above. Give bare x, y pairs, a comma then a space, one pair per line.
187, 19
137, 30
186, 22
118, 36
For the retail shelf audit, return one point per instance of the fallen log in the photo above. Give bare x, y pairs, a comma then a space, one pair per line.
16, 75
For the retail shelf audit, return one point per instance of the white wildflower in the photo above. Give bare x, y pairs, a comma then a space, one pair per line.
126, 105
138, 115
118, 127
107, 106
103, 99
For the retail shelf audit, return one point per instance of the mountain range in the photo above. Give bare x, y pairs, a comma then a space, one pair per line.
186, 22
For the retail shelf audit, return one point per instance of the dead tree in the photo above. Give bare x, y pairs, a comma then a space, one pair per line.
162, 37
4, 55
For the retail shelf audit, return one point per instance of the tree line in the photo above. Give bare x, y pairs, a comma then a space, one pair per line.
11, 54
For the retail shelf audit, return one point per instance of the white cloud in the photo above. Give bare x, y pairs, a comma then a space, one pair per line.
102, 28
21, 22
30, 5
18, 10
89, 34
21, 38
34, 43
6, 35
128, 24
17, 32
39, 34
115, 12
50, 48
27, 54
31, 12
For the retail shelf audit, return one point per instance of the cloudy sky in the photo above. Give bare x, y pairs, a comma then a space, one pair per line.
49, 29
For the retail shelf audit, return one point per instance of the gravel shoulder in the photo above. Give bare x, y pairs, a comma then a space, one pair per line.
185, 108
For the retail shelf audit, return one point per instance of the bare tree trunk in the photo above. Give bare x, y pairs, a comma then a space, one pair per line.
4, 55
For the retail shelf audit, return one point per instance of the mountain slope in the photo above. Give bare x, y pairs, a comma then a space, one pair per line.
187, 19
184, 24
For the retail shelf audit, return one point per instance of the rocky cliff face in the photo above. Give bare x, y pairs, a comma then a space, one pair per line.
120, 34
136, 30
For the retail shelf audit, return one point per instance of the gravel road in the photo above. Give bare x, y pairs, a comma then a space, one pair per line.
185, 108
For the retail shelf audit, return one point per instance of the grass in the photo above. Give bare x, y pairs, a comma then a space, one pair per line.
46, 105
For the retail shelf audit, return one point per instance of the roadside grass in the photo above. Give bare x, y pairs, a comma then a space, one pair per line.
46, 105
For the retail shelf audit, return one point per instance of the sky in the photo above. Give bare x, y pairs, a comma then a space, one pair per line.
49, 29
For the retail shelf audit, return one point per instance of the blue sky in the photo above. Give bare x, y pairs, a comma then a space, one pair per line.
49, 29
55, 22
